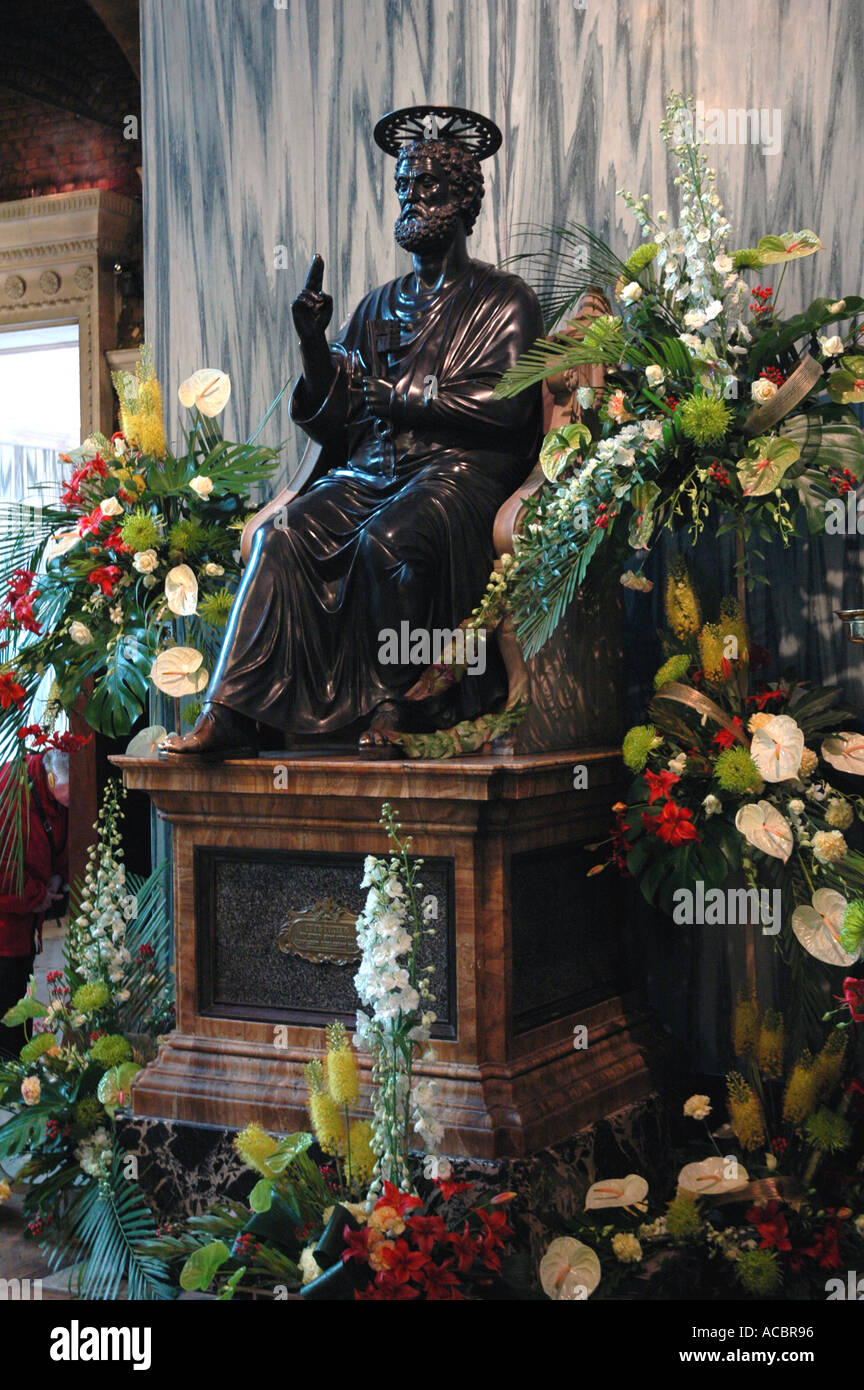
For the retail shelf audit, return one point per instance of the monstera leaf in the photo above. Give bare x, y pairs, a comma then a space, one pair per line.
120, 695
826, 442
562, 447
765, 465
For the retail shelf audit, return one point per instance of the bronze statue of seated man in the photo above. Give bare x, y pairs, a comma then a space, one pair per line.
416, 458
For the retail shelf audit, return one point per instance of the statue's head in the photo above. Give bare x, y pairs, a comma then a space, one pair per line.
439, 185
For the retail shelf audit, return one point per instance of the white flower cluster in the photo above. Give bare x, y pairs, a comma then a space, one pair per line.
396, 1022
105, 910
94, 1153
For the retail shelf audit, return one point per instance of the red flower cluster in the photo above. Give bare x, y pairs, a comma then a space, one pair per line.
726, 737
773, 373
604, 516
763, 698
17, 607
11, 693
843, 482
762, 300
106, 577
410, 1253
64, 742
853, 996
718, 474
71, 496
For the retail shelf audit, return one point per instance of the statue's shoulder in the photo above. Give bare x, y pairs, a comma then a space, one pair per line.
494, 280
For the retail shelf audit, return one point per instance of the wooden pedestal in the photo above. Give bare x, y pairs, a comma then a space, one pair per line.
530, 949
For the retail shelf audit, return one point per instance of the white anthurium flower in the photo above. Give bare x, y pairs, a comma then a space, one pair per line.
818, 927
208, 388
181, 591
202, 485
61, 542
110, 506
145, 744
776, 748
618, 1192
80, 633
845, 751
762, 825
713, 1175
569, 1270
179, 671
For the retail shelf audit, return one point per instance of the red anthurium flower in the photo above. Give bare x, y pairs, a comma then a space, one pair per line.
853, 996
674, 825
402, 1262
106, 577
659, 784
772, 1227
10, 692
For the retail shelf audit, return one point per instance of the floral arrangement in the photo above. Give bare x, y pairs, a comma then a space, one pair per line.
714, 402
782, 1226
104, 1011
736, 780
124, 586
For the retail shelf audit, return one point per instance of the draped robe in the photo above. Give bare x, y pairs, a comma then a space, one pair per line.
400, 527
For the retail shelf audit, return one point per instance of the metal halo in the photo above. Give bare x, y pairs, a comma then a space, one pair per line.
473, 132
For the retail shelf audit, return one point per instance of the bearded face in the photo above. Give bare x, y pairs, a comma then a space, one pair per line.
429, 209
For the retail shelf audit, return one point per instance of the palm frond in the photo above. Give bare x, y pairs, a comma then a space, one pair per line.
577, 260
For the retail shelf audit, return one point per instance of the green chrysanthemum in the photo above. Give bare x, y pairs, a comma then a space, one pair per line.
111, 1050
188, 537
683, 1221
36, 1047
672, 670
736, 771
89, 999
642, 256
140, 531
747, 258
215, 608
827, 1131
759, 1272
637, 744
704, 419
852, 933
89, 1113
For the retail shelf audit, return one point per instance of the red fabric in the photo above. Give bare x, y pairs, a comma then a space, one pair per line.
18, 916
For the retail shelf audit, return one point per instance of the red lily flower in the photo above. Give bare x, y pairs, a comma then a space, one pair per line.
674, 825
20, 585
432, 1227
659, 784
402, 1262
464, 1248
449, 1188
400, 1201
90, 523
386, 1290
356, 1244
773, 1228
106, 577
439, 1282
34, 731
725, 738
496, 1225
853, 996
10, 692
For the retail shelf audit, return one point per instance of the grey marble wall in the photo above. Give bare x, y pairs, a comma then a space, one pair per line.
257, 121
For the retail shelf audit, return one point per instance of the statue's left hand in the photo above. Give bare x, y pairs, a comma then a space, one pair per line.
377, 395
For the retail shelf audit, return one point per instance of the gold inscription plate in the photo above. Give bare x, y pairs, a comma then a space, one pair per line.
323, 932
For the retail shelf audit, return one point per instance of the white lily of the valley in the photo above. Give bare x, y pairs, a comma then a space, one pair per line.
818, 927
618, 1192
569, 1270
181, 591
776, 748
845, 752
208, 388
179, 671
713, 1175
762, 826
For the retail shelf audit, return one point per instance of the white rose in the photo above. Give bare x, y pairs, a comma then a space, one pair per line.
654, 375
837, 307
723, 264
831, 347
691, 341
712, 804
110, 507
763, 390
630, 293
145, 561
80, 633
678, 763
585, 396
695, 318
202, 485
213, 570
